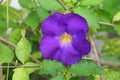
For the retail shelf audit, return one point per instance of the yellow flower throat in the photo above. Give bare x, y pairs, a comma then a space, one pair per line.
65, 37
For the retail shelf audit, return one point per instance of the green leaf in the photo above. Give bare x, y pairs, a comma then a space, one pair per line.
3, 26
59, 78
52, 5
112, 6
14, 14
116, 17
28, 4
74, 1
15, 36
51, 67
2, 11
42, 13
37, 54
20, 74
106, 28
90, 2
112, 74
117, 28
32, 20
89, 15
29, 70
23, 50
85, 68
104, 16
6, 54
91, 77
112, 47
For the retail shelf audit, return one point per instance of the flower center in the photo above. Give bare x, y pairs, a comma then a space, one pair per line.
66, 38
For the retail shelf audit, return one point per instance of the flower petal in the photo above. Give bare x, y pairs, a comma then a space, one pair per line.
69, 55
53, 25
48, 46
81, 44
57, 55
75, 23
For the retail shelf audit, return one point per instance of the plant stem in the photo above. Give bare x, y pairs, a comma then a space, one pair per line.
108, 24
63, 5
7, 76
106, 63
7, 14
34, 59
94, 49
21, 66
6, 42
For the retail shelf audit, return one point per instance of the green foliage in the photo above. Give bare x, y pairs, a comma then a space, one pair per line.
112, 6
117, 28
42, 13
22, 28
91, 77
116, 17
23, 73
6, 54
28, 4
85, 68
3, 26
14, 14
20, 74
15, 35
110, 58
89, 2
104, 15
51, 67
59, 78
35, 37
37, 55
29, 70
23, 49
112, 46
112, 74
52, 5
32, 20
89, 14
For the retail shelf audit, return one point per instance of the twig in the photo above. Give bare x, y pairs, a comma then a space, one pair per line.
108, 24
110, 64
6, 42
106, 63
8, 70
94, 49
22, 66
34, 59
63, 5
14, 46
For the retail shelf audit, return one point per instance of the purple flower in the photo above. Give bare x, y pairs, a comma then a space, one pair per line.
64, 38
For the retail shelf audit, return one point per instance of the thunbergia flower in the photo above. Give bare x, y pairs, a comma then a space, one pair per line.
64, 38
